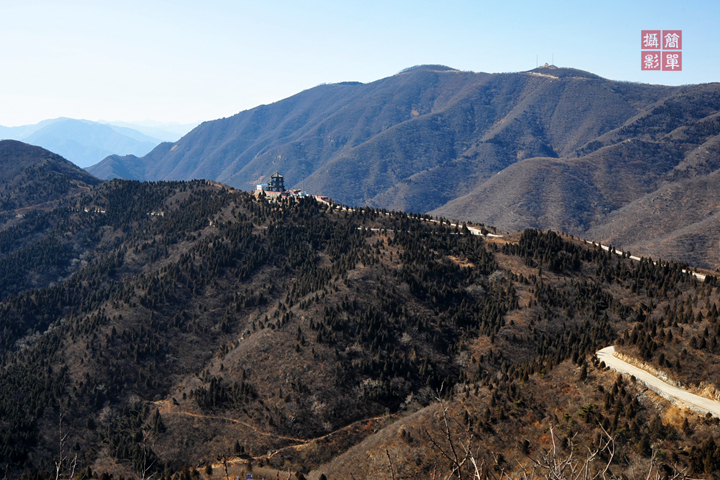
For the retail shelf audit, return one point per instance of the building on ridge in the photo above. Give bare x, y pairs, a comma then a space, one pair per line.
277, 183
276, 189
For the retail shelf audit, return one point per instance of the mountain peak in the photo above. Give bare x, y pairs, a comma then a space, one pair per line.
428, 68
16, 156
33, 177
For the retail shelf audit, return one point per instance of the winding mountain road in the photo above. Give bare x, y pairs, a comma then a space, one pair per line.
662, 388
699, 276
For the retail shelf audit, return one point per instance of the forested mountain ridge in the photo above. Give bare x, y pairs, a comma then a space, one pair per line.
33, 179
552, 148
199, 321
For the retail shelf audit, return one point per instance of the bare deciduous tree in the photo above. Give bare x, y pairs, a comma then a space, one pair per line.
147, 464
63, 463
457, 460
547, 465
392, 468
224, 460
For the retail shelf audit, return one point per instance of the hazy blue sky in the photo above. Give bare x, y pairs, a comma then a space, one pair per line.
188, 61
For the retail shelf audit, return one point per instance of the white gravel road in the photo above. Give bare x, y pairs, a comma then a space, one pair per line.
699, 276
670, 392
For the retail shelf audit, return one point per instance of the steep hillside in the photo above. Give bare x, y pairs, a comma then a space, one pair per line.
129, 167
608, 191
679, 219
163, 131
384, 143
190, 322
32, 176
33, 183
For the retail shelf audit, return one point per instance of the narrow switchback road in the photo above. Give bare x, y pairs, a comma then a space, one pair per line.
657, 385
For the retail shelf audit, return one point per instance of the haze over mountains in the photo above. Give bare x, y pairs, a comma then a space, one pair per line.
550, 148
85, 143
164, 131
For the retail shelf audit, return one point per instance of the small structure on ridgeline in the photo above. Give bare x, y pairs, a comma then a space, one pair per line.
276, 187
277, 183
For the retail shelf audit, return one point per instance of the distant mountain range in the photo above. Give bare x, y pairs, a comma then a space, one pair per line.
551, 148
85, 143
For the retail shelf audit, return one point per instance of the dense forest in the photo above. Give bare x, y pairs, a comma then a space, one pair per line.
156, 329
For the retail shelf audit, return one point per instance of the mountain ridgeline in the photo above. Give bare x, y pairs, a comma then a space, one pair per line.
181, 323
32, 177
549, 148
